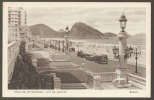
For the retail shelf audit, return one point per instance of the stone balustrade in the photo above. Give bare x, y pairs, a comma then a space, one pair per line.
94, 80
37, 43
107, 76
13, 50
137, 81
57, 81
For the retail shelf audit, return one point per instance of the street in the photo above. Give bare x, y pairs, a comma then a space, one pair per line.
43, 55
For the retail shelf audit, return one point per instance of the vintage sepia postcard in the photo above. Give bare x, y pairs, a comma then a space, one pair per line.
76, 49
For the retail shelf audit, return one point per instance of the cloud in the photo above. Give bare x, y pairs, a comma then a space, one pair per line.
103, 19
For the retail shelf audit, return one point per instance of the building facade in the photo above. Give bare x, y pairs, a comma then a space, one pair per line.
17, 23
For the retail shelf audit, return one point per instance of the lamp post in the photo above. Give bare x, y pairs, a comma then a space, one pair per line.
33, 43
44, 43
136, 58
50, 43
78, 46
54, 44
70, 44
63, 45
128, 52
59, 45
66, 40
116, 52
122, 36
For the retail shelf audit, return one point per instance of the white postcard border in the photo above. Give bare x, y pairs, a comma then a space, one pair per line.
76, 93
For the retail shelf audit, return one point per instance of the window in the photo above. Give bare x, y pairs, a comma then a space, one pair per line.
16, 29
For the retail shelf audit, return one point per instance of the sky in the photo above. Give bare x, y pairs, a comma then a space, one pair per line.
102, 19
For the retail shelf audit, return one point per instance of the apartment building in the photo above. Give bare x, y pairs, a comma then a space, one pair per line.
17, 23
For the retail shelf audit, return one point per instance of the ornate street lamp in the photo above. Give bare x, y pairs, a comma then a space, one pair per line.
50, 43
78, 46
66, 40
131, 51
67, 30
123, 21
54, 44
44, 43
128, 52
33, 43
122, 37
116, 52
63, 45
59, 45
136, 52
121, 53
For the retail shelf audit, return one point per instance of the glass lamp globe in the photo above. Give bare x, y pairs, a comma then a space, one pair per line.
123, 21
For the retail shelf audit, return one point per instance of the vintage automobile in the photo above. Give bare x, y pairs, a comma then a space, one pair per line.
72, 49
90, 57
81, 54
101, 59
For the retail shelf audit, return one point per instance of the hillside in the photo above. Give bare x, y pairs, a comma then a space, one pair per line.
82, 31
109, 34
61, 31
42, 30
78, 31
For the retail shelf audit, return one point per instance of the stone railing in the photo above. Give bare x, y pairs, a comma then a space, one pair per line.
94, 80
36, 43
90, 80
137, 81
57, 81
107, 76
13, 50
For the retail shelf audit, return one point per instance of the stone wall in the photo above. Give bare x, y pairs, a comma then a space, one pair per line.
13, 50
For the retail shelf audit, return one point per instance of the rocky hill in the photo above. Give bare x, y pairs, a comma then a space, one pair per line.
78, 31
42, 30
109, 34
83, 31
61, 30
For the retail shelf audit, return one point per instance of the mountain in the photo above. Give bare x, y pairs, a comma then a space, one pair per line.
78, 31
61, 31
83, 31
43, 30
109, 34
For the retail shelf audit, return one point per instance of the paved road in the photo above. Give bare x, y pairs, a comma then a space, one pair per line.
110, 67
94, 67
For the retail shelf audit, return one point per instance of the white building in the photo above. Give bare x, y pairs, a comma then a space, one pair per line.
17, 23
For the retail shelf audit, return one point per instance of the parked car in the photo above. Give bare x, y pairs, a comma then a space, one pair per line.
90, 57
81, 54
101, 59
72, 49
